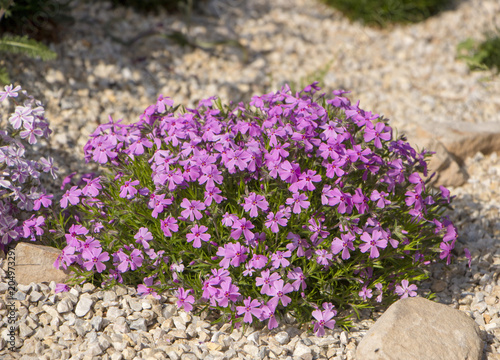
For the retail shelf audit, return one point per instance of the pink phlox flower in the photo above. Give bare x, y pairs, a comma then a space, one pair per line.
30, 132
342, 200
445, 193
446, 251
380, 132
379, 287
228, 292
414, 198
266, 280
289, 172
451, 233
93, 186
242, 226
89, 244
258, 261
397, 170
146, 289
249, 269
305, 181
404, 290
268, 314
324, 319
372, 243
212, 194
71, 196
274, 220
33, 224
323, 257
279, 259
169, 225
279, 151
10, 91
95, 258
298, 201
211, 175
331, 129
158, 203
138, 144
238, 158
22, 115
48, 166
302, 245
192, 209
316, 227
228, 219
143, 236
185, 300
278, 291
66, 257
272, 133
189, 146
360, 201
365, 293
380, 197
233, 254
254, 201
251, 307
61, 287
335, 168
173, 177
74, 231
356, 153
415, 178
299, 277
163, 102
198, 235
128, 190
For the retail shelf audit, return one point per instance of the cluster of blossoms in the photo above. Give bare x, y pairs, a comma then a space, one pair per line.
291, 204
21, 193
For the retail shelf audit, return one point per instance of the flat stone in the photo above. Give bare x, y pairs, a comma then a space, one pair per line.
35, 263
113, 312
83, 306
419, 329
139, 324
282, 337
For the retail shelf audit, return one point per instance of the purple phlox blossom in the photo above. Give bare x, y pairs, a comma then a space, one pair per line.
238, 158
211, 175
302, 245
95, 258
93, 186
324, 319
278, 259
451, 234
212, 194
278, 291
10, 91
134, 260
61, 288
71, 196
185, 300
192, 209
372, 243
66, 257
266, 280
274, 220
268, 314
272, 133
146, 289
468, 256
335, 168
277, 152
418, 181
168, 225
360, 201
138, 144
357, 153
258, 261
242, 226
73, 232
298, 201
254, 201
323, 257
32, 226
299, 277
316, 227
128, 190
397, 170
67, 180
143, 236
98, 226
380, 132
43, 199
233, 254
158, 203
198, 235
228, 292
173, 177
22, 115
341, 199
251, 307
89, 244
249, 269
163, 102
289, 172
103, 147
228, 219
445, 193
414, 198
365, 293
446, 251
380, 197
305, 181
30, 132
404, 290
331, 129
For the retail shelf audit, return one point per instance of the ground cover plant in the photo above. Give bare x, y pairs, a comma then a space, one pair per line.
24, 202
481, 55
293, 203
382, 13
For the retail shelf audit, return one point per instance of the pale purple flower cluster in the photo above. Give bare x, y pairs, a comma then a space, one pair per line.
251, 209
21, 193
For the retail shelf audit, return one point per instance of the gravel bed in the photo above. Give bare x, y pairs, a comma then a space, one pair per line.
406, 73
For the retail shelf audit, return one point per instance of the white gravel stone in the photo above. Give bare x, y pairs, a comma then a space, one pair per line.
83, 306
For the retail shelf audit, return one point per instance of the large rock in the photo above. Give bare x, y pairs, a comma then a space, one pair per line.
419, 329
35, 263
453, 142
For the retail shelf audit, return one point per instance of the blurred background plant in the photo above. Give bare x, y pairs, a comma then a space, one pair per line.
481, 55
381, 13
146, 6
27, 25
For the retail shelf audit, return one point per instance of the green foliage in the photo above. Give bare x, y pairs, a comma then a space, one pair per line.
384, 12
23, 45
481, 55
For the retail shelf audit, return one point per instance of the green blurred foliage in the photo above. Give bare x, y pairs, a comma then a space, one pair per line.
481, 55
